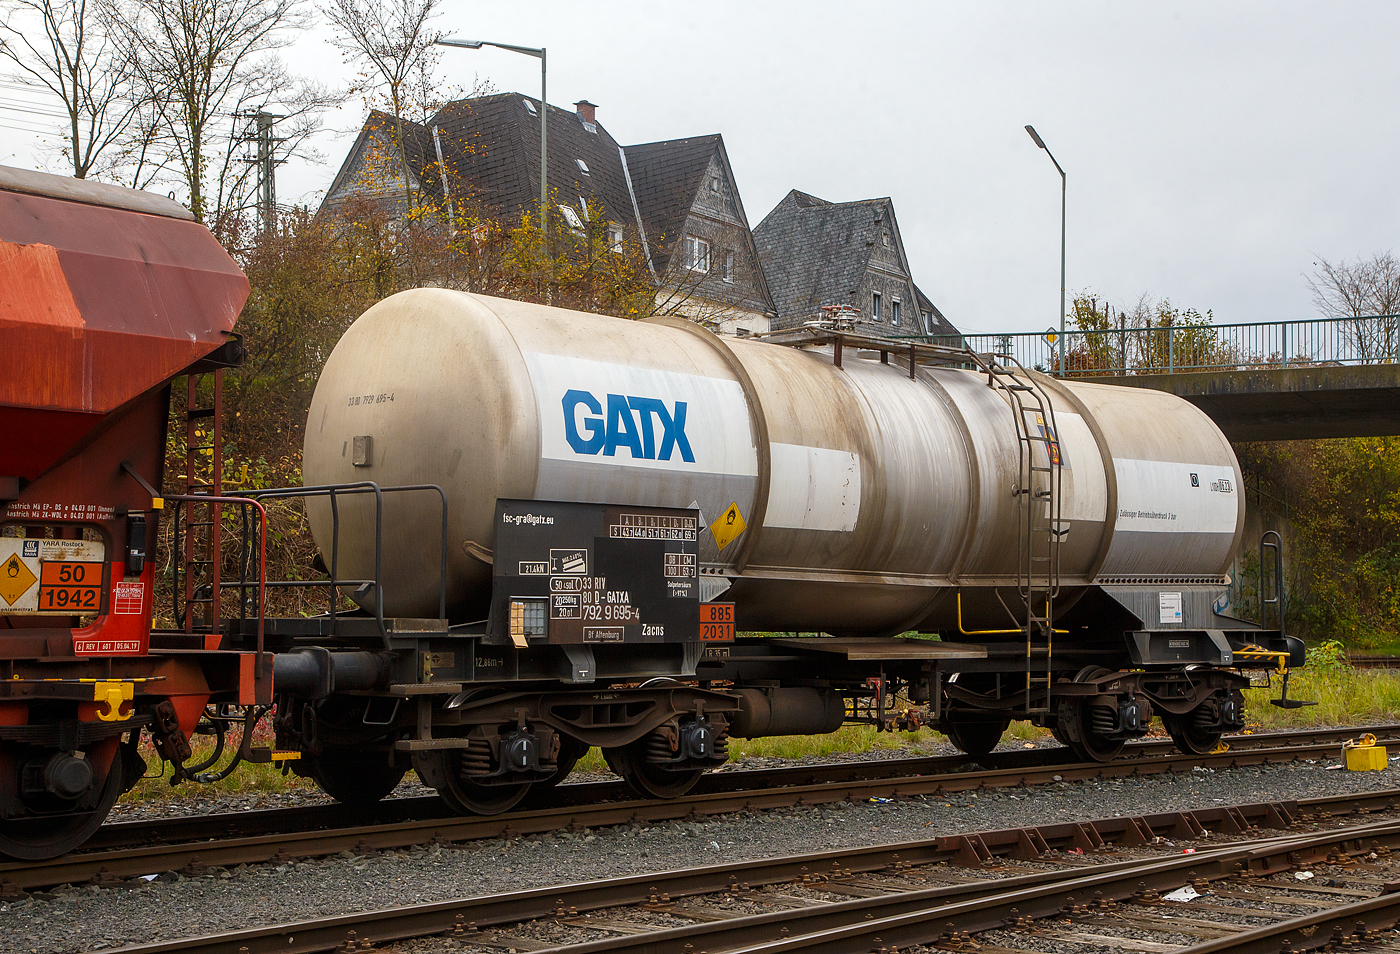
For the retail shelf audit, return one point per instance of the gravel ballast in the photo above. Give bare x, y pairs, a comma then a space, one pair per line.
170, 907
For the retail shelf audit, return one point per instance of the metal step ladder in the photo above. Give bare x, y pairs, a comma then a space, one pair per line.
199, 534
1039, 527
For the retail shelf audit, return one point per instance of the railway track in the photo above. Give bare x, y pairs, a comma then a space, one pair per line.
1101, 883
1373, 661
117, 835
258, 837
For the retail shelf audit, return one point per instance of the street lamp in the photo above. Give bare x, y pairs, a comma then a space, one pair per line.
544, 111
1063, 188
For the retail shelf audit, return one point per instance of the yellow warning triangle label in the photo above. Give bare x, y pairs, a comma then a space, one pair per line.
15, 579
729, 525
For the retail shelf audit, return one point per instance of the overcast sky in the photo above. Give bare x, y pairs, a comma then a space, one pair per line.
1214, 150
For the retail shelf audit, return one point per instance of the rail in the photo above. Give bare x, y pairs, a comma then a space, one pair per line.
1168, 349
785, 791
881, 919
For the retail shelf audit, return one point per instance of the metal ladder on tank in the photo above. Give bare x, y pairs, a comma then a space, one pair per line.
1038, 490
199, 534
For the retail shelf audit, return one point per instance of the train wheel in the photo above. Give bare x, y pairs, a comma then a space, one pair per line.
40, 837
1190, 736
472, 798
1075, 726
353, 777
646, 778
975, 738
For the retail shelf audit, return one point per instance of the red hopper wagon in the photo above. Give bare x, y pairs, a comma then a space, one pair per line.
106, 296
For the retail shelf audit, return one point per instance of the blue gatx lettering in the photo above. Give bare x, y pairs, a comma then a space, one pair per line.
630, 423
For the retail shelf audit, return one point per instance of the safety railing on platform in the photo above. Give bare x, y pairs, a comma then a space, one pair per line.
1169, 349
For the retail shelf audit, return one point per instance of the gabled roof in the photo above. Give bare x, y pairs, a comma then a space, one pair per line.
491, 146
418, 147
491, 151
665, 178
815, 252
492, 143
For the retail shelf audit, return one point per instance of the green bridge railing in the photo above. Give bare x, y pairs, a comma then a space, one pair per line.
1168, 349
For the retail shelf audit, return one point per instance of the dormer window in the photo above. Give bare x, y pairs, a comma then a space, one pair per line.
583, 167
530, 107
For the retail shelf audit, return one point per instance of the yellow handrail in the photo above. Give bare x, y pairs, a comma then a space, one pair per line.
994, 632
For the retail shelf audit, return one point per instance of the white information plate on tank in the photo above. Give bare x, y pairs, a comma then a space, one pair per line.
813, 488
1157, 496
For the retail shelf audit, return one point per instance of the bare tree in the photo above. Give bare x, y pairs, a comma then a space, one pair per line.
1366, 291
204, 59
65, 48
393, 43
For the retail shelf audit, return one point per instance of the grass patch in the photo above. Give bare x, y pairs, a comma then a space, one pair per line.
846, 740
1343, 698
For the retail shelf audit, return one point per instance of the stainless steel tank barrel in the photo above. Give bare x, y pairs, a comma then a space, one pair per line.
867, 497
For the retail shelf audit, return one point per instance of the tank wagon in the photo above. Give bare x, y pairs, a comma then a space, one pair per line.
542, 531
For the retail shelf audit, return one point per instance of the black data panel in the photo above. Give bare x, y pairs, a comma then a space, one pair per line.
594, 573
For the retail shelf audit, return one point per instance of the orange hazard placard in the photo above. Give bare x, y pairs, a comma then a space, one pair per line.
70, 585
717, 622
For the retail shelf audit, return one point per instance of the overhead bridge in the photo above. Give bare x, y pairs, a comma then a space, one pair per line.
1285, 380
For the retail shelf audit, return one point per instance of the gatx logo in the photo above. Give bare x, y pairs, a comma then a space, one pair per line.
629, 422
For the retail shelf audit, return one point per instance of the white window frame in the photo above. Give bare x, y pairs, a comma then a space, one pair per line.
896, 307
530, 107
877, 306
714, 184
571, 217
583, 167
729, 265
697, 254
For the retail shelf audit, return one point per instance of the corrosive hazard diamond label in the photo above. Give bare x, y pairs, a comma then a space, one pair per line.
15, 579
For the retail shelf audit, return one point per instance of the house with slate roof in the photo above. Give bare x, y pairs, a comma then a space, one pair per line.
677, 199
818, 254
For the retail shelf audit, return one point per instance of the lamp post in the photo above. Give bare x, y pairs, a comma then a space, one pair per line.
1063, 189
544, 112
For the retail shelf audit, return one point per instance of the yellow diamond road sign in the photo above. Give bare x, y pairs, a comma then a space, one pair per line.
729, 525
15, 579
